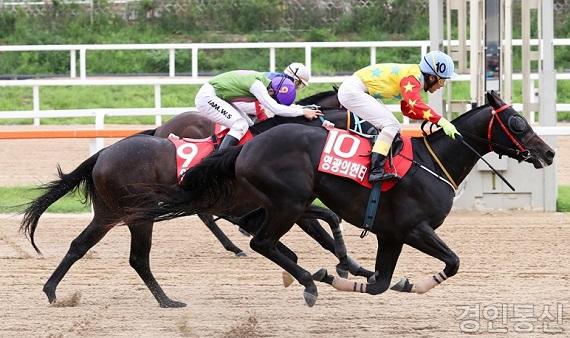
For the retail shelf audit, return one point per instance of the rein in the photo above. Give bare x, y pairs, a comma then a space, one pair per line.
441, 166
520, 151
414, 162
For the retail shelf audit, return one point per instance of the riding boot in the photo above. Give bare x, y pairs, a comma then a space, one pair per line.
228, 141
377, 169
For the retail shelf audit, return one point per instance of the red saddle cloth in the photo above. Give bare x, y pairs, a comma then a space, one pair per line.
348, 155
190, 152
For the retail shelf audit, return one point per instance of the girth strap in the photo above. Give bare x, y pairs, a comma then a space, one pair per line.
371, 207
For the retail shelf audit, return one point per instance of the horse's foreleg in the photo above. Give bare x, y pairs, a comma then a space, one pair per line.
79, 246
141, 242
386, 259
226, 242
424, 238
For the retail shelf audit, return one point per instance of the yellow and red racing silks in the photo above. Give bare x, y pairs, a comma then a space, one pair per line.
398, 81
412, 104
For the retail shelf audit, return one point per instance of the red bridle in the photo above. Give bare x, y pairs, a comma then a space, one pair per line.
494, 113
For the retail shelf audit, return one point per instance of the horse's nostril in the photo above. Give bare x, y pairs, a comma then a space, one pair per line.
550, 154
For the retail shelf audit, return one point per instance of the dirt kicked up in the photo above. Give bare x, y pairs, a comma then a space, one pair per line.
514, 278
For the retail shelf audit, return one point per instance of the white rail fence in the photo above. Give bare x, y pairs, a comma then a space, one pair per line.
172, 79
196, 47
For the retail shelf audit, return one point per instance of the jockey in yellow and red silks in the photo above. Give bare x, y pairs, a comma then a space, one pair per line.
363, 92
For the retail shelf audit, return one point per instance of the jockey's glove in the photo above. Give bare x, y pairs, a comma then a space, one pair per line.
448, 128
328, 125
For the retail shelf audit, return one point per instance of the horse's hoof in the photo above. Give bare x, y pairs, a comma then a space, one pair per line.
241, 254
50, 293
341, 271
287, 279
172, 304
310, 299
372, 279
403, 285
320, 275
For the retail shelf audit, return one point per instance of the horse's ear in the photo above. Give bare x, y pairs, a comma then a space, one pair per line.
494, 100
335, 88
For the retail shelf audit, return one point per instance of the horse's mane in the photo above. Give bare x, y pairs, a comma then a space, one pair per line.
315, 98
460, 118
470, 112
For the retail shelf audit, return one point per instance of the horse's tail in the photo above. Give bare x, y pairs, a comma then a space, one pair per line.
203, 187
80, 177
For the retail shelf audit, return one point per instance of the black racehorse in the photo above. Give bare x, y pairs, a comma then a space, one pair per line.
195, 125
408, 214
111, 178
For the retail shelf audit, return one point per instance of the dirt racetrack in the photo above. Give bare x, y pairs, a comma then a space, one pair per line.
512, 264
509, 261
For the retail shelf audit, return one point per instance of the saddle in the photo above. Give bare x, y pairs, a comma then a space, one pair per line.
359, 125
190, 152
366, 129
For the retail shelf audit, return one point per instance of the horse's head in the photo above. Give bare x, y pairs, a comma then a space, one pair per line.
510, 134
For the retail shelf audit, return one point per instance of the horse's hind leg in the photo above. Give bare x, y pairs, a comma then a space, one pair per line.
424, 238
278, 222
265, 246
79, 246
226, 242
141, 243
311, 226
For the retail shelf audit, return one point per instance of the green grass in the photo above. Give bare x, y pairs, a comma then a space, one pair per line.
563, 201
12, 200
172, 96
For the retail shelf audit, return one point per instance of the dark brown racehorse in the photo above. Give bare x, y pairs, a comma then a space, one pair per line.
114, 175
194, 125
408, 214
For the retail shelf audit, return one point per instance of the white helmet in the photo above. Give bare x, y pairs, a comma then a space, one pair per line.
298, 72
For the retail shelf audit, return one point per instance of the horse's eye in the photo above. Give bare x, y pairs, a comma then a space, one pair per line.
517, 124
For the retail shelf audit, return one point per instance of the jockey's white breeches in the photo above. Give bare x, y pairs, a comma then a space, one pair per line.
353, 95
222, 112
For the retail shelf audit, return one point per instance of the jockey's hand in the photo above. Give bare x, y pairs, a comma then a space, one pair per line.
311, 114
328, 125
448, 128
